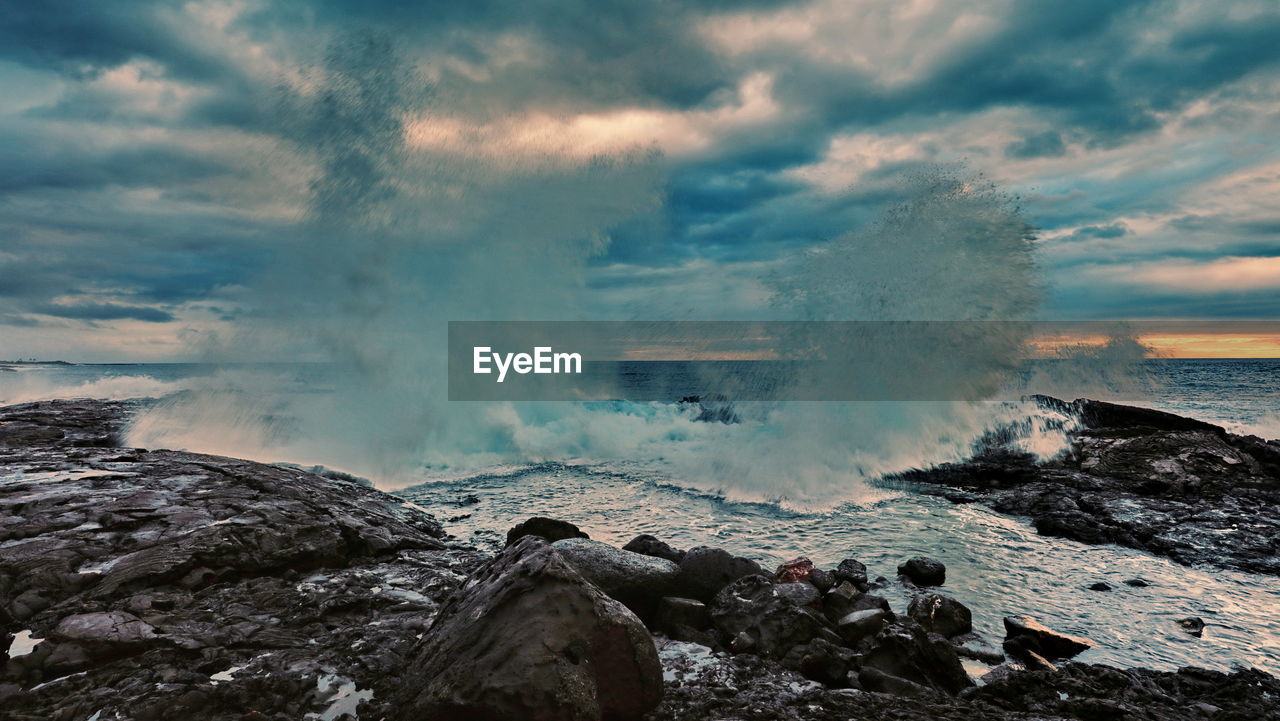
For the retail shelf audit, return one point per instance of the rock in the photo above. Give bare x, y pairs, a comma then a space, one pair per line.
1193, 625
873, 679
547, 528
941, 614
822, 580
860, 624
794, 571
820, 660
753, 605
1100, 586
112, 628
1137, 583
650, 546
675, 614
636, 580
853, 572
839, 601
923, 571
705, 570
528, 638
1024, 633
971, 645
909, 652
799, 593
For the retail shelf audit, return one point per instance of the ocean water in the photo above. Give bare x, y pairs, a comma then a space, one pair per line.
996, 565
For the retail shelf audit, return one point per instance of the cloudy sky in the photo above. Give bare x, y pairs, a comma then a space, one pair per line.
149, 168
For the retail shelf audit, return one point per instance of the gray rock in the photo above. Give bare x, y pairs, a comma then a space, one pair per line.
705, 570
637, 580
111, 627
528, 637
801, 593
858, 625
908, 651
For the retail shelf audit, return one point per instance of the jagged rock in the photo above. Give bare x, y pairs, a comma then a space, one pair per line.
705, 570
112, 628
822, 579
853, 572
941, 614
799, 593
753, 606
549, 529
636, 580
908, 651
528, 638
794, 571
873, 679
839, 601
1024, 633
650, 546
923, 571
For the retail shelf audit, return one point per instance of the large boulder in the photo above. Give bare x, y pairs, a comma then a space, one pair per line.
637, 580
757, 616
1025, 634
550, 529
705, 570
527, 637
941, 614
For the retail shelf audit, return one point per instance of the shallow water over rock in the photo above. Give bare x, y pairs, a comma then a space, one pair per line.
996, 565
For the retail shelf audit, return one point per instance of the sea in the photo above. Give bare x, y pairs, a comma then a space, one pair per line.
996, 565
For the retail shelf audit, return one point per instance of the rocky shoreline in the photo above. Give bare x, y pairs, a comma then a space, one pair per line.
1136, 477
158, 584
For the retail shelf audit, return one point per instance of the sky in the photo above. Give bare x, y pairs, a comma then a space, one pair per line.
151, 170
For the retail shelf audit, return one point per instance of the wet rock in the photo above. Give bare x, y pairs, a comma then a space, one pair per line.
873, 679
1024, 633
753, 606
549, 529
839, 601
858, 625
636, 580
794, 571
651, 546
1100, 586
705, 570
971, 645
1137, 583
941, 614
923, 571
820, 660
799, 593
1193, 625
528, 638
852, 571
822, 579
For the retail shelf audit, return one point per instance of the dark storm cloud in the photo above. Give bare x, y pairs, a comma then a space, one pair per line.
142, 187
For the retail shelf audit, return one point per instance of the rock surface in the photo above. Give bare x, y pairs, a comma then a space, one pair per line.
1136, 477
638, 581
178, 585
577, 654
